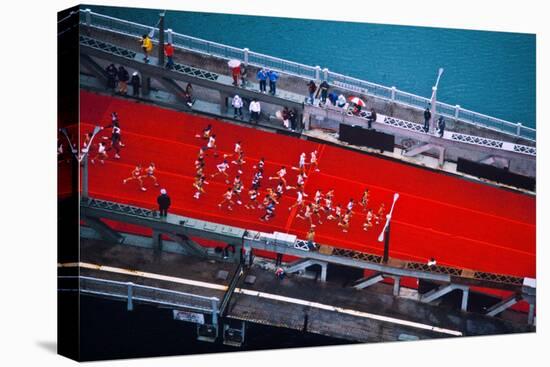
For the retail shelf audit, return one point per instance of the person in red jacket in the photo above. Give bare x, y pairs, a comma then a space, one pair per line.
236, 73
169, 53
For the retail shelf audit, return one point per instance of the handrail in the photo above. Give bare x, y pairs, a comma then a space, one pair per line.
308, 72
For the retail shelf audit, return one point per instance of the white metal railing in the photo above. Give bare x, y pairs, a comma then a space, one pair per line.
137, 292
305, 71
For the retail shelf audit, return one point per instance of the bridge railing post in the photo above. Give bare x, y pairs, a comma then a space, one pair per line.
518, 128
170, 36
393, 90
245, 56
130, 296
88, 14
214, 311
457, 111
317, 73
325, 74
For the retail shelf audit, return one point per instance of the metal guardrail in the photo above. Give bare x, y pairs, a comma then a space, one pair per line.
393, 94
132, 292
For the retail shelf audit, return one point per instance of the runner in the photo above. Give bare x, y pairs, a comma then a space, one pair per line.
337, 213
222, 167
350, 205
227, 199
280, 175
313, 161
365, 199
136, 175
269, 211
299, 183
253, 203
344, 222
212, 145
101, 153
279, 190
299, 200
381, 212
315, 208
257, 180
198, 185
239, 161
205, 133
260, 165
200, 158
150, 173
237, 188
368, 220
236, 150
307, 214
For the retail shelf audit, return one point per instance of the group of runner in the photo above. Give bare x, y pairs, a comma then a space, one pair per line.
319, 209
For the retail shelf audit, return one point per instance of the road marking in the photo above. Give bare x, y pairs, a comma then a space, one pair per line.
258, 294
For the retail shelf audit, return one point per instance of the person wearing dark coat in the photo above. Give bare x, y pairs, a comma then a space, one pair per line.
311, 87
372, 117
123, 78
427, 116
324, 91
111, 76
164, 202
136, 84
441, 126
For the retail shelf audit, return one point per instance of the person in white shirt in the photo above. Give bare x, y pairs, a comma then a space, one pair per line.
255, 110
222, 167
237, 104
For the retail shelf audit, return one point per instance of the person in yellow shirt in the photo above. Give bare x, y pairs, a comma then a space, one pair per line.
147, 47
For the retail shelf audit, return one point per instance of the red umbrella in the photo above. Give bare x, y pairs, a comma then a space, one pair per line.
358, 101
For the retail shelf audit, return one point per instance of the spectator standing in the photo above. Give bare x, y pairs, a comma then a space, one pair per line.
312, 87
163, 200
236, 74
146, 46
273, 77
292, 117
123, 78
169, 53
255, 110
237, 104
441, 125
324, 91
136, 84
285, 114
188, 96
111, 76
262, 77
372, 117
427, 116
244, 75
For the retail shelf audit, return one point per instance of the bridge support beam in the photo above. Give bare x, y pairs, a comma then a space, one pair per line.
173, 87
157, 241
94, 67
301, 265
419, 149
104, 230
367, 282
502, 305
443, 290
189, 245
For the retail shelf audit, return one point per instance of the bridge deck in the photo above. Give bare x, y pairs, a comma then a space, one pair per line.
293, 302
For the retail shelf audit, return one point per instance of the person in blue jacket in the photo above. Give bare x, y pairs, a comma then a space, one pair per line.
273, 76
262, 77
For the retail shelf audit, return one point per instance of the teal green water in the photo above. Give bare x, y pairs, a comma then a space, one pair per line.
488, 72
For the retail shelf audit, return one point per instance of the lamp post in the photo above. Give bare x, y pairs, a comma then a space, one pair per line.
161, 38
80, 158
385, 234
433, 101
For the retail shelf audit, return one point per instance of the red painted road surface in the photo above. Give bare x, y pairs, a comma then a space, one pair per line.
458, 222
